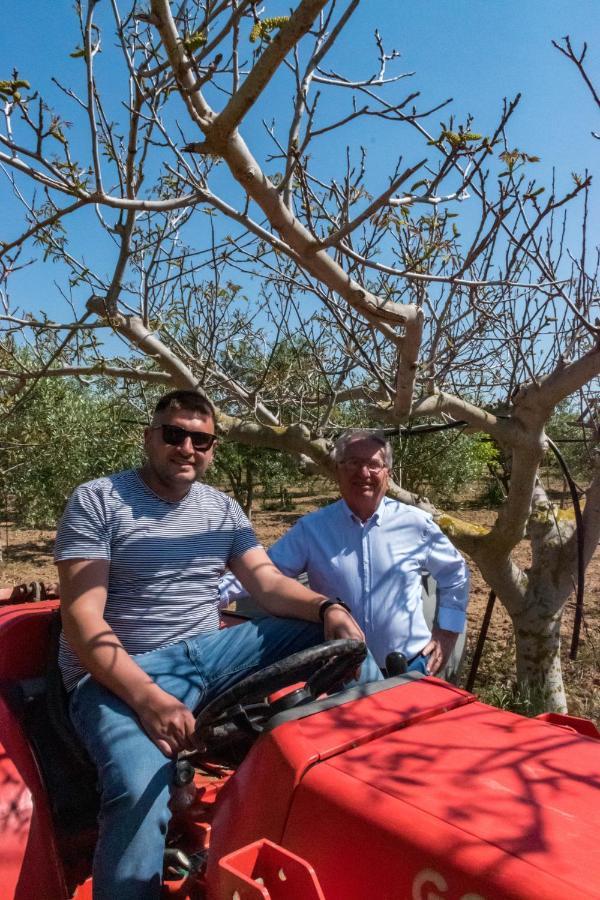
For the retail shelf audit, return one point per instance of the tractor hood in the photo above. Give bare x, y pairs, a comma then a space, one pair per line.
415, 789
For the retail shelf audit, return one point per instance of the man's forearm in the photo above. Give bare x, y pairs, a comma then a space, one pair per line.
283, 596
290, 599
104, 657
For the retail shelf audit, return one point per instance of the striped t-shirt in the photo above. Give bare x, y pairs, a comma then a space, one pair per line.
165, 558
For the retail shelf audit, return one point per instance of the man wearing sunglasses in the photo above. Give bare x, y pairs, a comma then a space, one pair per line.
140, 554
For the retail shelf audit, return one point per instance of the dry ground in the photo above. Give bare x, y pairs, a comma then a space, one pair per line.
27, 556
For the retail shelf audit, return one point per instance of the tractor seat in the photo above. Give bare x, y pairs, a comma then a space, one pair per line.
69, 776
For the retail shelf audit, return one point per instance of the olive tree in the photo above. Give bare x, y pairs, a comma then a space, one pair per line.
195, 224
62, 435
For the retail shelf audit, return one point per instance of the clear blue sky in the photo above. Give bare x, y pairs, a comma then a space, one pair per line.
475, 51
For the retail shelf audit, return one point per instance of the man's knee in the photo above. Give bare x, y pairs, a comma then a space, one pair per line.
135, 786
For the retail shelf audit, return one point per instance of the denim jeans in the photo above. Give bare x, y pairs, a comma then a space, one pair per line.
134, 776
418, 664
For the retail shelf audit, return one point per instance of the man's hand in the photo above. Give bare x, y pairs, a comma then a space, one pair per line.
338, 624
439, 649
169, 723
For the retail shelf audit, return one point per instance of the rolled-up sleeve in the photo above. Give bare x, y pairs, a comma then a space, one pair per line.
450, 571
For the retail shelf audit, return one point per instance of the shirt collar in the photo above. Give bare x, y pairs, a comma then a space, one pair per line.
375, 519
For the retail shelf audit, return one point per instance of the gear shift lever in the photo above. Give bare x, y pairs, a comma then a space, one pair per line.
395, 663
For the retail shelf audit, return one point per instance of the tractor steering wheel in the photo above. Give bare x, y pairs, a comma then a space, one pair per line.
228, 726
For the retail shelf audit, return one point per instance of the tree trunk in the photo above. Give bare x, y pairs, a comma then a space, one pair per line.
249, 490
537, 645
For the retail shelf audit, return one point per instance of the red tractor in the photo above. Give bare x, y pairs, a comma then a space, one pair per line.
409, 788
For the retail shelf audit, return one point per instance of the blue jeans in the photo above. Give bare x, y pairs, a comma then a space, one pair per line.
135, 778
418, 664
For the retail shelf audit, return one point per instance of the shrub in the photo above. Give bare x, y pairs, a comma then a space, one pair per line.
444, 462
62, 434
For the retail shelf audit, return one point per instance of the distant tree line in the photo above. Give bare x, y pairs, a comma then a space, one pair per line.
65, 432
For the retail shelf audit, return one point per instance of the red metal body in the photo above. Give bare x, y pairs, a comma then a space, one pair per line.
415, 791
422, 788
30, 864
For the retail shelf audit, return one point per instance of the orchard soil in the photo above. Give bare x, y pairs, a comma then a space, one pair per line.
27, 556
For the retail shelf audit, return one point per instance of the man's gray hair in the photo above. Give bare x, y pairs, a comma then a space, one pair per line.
361, 434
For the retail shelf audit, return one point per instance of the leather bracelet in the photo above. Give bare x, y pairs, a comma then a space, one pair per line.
325, 604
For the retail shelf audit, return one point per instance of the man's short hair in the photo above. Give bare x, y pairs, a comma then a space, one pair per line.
362, 434
192, 401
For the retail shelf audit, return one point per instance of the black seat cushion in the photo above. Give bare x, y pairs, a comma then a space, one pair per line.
68, 773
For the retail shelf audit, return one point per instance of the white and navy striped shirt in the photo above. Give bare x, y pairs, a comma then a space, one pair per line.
165, 558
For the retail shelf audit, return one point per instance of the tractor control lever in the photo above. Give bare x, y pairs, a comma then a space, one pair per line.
396, 663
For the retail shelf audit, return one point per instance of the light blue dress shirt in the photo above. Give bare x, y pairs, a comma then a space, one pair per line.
376, 568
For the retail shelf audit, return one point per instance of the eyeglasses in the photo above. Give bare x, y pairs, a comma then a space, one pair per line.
175, 436
375, 466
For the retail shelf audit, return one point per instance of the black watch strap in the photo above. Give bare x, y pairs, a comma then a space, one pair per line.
335, 601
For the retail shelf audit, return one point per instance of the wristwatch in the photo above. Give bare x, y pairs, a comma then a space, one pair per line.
335, 601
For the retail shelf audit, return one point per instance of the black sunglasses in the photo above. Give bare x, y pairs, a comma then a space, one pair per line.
175, 436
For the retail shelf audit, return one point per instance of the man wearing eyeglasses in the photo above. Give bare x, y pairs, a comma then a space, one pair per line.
373, 551
140, 554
